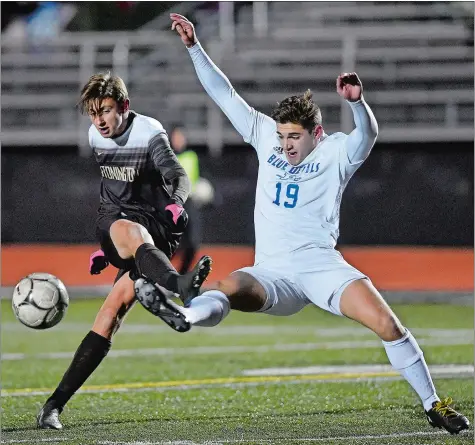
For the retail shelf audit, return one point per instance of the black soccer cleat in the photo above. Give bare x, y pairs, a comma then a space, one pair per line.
441, 415
48, 417
189, 284
157, 300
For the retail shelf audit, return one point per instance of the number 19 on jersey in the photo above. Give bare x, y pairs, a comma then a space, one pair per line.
291, 192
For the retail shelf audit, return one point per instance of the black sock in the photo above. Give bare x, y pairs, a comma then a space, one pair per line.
90, 353
154, 264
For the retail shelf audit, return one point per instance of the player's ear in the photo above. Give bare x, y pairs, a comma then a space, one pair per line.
125, 106
317, 132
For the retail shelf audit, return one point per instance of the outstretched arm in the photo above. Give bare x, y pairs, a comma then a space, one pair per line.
361, 140
247, 121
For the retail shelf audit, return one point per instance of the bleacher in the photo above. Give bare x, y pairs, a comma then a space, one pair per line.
415, 60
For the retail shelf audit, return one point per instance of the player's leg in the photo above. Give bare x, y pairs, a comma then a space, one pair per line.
239, 291
251, 289
361, 302
133, 240
91, 351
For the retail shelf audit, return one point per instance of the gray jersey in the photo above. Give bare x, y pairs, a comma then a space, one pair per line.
139, 169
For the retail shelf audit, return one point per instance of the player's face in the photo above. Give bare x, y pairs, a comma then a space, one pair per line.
108, 116
296, 141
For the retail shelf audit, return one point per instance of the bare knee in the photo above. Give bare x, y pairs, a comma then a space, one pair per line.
389, 328
128, 236
244, 292
228, 285
361, 302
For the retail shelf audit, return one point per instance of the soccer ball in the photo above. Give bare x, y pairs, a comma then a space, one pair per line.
40, 300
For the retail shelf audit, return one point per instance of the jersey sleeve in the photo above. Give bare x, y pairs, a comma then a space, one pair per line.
167, 164
251, 124
356, 146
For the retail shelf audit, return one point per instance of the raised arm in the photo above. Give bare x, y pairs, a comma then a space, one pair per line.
247, 121
361, 140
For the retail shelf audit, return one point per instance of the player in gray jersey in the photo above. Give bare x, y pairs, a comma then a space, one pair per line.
139, 224
302, 175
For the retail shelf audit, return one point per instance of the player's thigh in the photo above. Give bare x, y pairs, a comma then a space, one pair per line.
118, 302
324, 275
278, 294
103, 225
362, 302
128, 236
120, 234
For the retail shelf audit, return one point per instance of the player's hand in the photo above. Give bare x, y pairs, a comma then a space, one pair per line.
177, 217
97, 262
349, 86
184, 28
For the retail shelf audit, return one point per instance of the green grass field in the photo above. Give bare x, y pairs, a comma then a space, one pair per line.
209, 386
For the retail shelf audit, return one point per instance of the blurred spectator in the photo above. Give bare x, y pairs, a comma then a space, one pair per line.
35, 22
48, 20
202, 193
12, 11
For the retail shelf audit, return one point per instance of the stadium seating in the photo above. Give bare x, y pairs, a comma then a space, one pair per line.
416, 61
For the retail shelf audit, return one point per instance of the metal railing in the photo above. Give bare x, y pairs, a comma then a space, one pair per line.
40, 87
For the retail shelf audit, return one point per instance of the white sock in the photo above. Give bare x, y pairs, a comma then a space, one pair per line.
208, 309
407, 357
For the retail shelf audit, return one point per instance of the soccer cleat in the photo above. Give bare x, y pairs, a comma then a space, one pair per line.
189, 284
156, 300
441, 415
48, 417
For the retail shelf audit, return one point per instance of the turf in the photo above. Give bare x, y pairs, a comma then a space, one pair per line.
196, 407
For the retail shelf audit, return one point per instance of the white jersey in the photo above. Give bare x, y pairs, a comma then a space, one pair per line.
296, 206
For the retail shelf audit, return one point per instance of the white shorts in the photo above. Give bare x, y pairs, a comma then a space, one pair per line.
311, 275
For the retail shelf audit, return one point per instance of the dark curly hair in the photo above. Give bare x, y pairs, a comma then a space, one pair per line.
298, 110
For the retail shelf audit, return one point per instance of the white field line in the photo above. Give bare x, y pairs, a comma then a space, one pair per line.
344, 375
231, 441
126, 389
342, 369
243, 330
284, 440
29, 442
205, 350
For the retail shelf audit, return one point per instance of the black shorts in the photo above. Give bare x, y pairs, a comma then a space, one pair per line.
163, 238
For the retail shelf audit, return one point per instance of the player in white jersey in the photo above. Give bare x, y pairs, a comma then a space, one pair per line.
302, 175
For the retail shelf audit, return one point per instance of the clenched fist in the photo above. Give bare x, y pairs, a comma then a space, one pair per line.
349, 86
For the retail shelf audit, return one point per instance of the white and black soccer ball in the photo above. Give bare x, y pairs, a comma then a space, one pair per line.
40, 300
